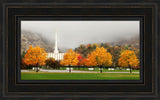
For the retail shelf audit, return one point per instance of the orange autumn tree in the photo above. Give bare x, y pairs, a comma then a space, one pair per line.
100, 57
35, 56
70, 59
128, 59
85, 62
91, 60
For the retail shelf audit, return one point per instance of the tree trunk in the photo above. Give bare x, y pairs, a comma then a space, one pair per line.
70, 68
100, 69
37, 67
130, 69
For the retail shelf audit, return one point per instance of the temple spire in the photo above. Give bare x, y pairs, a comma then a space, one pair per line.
56, 48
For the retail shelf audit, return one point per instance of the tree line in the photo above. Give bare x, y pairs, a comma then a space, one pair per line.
90, 55
115, 51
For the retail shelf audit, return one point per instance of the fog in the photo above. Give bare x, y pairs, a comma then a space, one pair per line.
73, 33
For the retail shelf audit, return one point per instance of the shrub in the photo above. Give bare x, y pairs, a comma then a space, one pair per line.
51, 62
56, 65
23, 65
136, 67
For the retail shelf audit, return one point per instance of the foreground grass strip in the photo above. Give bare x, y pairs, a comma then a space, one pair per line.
78, 76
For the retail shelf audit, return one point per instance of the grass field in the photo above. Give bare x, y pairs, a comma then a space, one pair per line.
78, 76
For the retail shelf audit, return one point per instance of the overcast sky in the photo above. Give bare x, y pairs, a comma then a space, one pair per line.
73, 33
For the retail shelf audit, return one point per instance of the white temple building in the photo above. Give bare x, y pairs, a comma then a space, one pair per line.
56, 55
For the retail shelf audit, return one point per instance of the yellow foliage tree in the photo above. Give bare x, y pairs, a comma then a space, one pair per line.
128, 59
70, 58
62, 62
35, 56
91, 61
100, 57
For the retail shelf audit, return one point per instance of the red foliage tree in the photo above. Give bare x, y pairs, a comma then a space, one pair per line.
79, 60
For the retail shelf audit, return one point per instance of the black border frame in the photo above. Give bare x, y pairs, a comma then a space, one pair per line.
106, 18
10, 92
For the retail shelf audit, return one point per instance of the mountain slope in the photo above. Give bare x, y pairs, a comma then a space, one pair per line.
132, 41
29, 38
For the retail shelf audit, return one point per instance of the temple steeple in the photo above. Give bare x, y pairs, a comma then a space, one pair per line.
56, 48
56, 55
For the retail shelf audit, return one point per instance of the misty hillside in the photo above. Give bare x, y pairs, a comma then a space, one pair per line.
35, 39
29, 38
134, 41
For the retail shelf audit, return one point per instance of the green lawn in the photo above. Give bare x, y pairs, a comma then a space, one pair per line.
78, 76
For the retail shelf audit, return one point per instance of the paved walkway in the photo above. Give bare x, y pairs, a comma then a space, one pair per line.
73, 71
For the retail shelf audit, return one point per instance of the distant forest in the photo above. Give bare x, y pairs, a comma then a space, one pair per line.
115, 51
